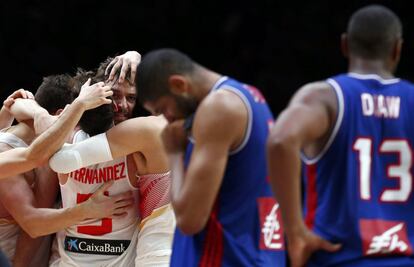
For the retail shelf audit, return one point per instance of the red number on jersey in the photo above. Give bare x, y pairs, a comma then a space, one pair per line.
104, 228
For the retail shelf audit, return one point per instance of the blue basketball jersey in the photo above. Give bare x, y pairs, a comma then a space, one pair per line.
359, 188
244, 227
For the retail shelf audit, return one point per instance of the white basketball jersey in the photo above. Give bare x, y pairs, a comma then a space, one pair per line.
11, 140
9, 229
98, 242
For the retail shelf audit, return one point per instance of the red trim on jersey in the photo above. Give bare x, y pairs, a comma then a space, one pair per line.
311, 195
213, 245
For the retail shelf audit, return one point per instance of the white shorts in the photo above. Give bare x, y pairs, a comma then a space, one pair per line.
155, 238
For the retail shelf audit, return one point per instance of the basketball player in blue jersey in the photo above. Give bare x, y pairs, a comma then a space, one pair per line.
354, 133
226, 215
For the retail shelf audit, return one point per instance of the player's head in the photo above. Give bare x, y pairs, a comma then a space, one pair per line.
164, 80
97, 120
374, 33
125, 93
55, 92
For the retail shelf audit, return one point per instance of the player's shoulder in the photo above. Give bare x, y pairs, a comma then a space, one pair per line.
406, 83
221, 113
221, 103
314, 92
315, 87
149, 123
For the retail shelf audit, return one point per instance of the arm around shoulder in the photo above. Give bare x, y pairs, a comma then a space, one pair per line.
137, 134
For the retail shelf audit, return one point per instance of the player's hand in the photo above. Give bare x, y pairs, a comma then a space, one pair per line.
174, 137
99, 205
302, 245
20, 93
92, 96
127, 61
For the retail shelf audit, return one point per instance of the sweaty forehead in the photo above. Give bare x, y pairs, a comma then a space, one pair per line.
124, 87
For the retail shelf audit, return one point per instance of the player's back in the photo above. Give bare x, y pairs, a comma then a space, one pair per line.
105, 242
358, 190
243, 227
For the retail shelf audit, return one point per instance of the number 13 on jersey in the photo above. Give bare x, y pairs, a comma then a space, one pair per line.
400, 170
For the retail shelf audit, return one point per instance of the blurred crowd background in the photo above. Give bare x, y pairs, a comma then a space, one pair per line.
275, 45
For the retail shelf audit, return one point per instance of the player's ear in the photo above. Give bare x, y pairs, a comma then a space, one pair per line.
344, 45
58, 112
178, 84
396, 51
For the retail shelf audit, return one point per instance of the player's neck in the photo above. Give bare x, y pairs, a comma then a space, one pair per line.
205, 81
363, 66
23, 131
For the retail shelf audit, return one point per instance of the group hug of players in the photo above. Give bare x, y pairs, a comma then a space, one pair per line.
211, 178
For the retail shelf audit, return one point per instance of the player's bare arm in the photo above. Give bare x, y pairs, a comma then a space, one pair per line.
38, 221
45, 192
145, 131
21, 160
304, 125
215, 134
6, 118
29, 112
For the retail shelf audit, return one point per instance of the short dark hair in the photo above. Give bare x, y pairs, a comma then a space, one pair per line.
55, 92
97, 120
372, 32
155, 69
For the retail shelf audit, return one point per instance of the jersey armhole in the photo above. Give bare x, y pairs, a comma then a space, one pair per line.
249, 118
340, 101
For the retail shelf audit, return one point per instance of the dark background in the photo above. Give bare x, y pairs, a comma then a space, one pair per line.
275, 45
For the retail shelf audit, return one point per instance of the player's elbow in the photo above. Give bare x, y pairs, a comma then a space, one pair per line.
188, 222
31, 228
34, 234
189, 225
279, 140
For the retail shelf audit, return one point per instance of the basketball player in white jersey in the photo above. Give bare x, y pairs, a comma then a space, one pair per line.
6, 118
158, 219
20, 160
23, 203
147, 169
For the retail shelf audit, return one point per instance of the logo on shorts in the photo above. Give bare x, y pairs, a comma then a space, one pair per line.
381, 237
271, 237
95, 246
